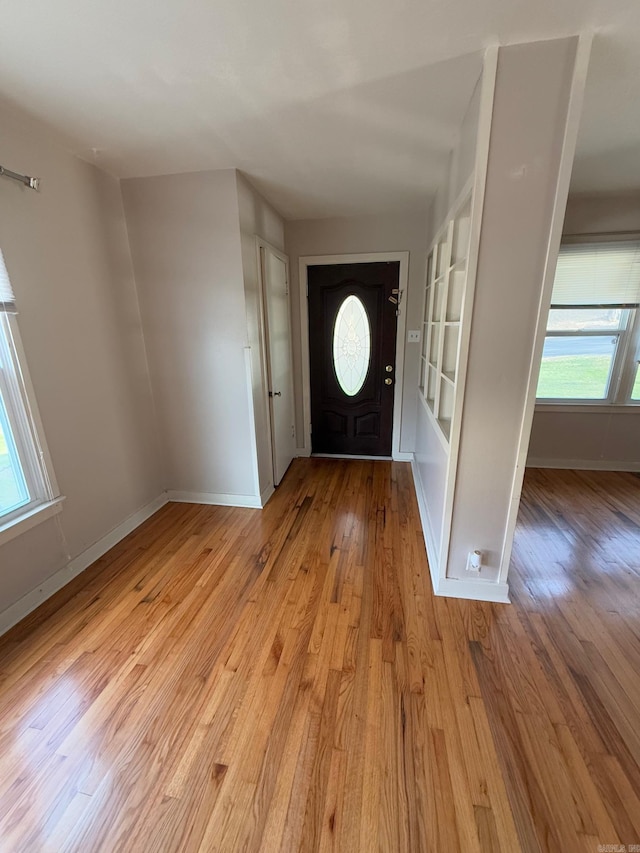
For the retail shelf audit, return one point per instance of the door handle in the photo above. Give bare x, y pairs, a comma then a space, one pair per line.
388, 381
275, 393
389, 368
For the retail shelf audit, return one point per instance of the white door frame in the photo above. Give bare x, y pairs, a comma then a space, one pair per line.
403, 281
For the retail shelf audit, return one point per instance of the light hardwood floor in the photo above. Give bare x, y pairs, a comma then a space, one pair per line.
228, 680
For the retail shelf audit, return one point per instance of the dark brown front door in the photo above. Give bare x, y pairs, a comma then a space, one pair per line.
352, 346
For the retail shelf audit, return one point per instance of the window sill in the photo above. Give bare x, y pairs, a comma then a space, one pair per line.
608, 408
10, 529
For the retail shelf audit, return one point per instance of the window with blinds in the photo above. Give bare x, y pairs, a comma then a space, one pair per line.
592, 274
591, 347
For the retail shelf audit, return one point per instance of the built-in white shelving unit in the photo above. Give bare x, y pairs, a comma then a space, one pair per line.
449, 295
443, 315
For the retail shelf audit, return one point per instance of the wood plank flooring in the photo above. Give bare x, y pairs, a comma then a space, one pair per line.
235, 680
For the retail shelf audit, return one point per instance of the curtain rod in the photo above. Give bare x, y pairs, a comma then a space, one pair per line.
33, 183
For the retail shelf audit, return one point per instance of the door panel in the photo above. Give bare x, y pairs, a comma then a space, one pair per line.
279, 371
352, 346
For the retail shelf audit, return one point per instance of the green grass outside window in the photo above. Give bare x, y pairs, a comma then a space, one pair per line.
581, 377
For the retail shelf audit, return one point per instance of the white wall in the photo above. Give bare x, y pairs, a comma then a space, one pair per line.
530, 110
186, 248
602, 213
68, 256
359, 235
257, 219
579, 438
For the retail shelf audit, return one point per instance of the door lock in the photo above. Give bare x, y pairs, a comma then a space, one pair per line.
388, 381
389, 368
275, 393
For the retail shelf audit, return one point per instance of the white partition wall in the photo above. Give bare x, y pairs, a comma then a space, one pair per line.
476, 393
446, 324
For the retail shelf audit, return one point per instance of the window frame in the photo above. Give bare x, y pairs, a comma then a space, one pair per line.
27, 434
627, 353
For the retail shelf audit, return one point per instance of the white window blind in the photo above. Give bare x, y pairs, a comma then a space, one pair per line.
7, 299
592, 274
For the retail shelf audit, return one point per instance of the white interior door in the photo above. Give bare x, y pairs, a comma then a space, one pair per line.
279, 371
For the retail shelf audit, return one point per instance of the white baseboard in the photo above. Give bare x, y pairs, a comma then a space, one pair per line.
432, 552
476, 590
584, 464
402, 456
216, 499
13, 614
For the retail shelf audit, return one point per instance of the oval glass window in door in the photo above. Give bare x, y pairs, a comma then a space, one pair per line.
351, 345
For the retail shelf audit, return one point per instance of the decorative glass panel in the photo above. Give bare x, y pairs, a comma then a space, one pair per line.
351, 345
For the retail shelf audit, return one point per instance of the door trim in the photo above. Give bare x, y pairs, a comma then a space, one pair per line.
403, 280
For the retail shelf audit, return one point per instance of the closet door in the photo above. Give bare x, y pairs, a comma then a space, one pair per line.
279, 371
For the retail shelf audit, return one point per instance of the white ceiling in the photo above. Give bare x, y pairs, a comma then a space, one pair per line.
332, 107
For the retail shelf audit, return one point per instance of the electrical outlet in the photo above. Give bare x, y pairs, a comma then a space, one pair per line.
413, 336
474, 561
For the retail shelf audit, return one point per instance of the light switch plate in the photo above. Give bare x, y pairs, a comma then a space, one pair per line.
413, 336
